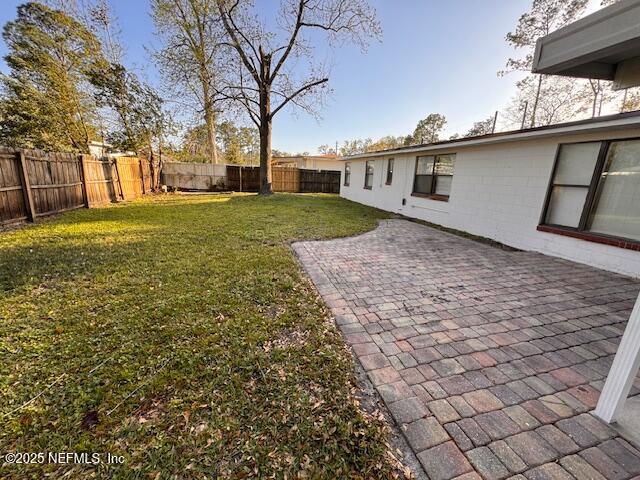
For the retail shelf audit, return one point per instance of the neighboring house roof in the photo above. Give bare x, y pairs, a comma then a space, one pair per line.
602, 45
618, 121
295, 158
99, 143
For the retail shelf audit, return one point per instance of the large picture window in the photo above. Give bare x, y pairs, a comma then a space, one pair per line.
595, 191
347, 174
368, 175
434, 175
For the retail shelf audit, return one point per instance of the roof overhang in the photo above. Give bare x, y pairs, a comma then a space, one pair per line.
604, 45
621, 121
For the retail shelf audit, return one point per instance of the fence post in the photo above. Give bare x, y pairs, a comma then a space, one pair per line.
26, 187
240, 170
85, 187
142, 175
115, 163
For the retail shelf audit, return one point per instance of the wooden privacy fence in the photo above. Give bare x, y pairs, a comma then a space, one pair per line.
247, 179
285, 179
35, 184
319, 181
243, 179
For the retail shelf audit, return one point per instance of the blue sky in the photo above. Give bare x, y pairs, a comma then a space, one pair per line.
435, 56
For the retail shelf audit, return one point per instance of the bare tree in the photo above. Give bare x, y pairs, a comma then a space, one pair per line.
191, 59
269, 69
630, 100
559, 99
598, 90
544, 17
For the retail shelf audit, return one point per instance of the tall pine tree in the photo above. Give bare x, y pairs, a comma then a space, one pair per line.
45, 100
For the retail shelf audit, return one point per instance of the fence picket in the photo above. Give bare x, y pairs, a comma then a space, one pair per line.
26, 188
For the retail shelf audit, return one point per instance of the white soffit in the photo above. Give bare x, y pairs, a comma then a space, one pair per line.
604, 45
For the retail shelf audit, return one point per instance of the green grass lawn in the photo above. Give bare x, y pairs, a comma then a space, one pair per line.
180, 333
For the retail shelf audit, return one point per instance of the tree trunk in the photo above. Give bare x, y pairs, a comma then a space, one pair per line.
596, 89
601, 101
265, 141
156, 184
151, 165
623, 107
536, 100
210, 120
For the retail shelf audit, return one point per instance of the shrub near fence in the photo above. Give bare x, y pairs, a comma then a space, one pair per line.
35, 184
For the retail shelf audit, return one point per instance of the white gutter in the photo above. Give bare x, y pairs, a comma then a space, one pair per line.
570, 129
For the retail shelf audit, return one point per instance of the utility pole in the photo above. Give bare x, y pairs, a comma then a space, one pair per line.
495, 120
524, 116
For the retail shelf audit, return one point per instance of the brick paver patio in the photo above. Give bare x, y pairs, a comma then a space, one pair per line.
489, 360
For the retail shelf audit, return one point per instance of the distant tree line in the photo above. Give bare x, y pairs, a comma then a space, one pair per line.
235, 144
226, 72
428, 130
540, 99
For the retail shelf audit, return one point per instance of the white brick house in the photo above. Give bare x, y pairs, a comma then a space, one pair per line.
505, 187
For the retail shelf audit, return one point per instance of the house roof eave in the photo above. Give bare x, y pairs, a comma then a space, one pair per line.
611, 122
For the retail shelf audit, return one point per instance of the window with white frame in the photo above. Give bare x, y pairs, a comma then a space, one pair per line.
347, 174
595, 190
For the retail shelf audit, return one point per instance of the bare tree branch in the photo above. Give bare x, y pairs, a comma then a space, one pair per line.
291, 43
298, 92
233, 31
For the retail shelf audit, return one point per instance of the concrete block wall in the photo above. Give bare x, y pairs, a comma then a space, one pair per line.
498, 192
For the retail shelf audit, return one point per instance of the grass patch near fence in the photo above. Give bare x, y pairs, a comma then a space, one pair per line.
180, 333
